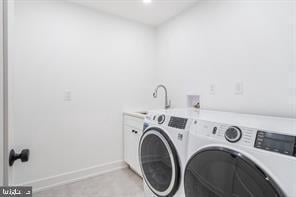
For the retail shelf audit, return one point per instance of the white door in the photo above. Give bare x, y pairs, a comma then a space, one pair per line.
1, 97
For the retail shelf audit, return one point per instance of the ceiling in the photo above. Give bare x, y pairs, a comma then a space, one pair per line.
154, 13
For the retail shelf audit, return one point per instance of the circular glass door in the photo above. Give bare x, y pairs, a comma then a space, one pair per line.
221, 172
159, 162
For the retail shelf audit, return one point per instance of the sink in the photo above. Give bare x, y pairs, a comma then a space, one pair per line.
142, 112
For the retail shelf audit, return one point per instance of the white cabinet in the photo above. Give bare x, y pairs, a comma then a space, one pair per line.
133, 129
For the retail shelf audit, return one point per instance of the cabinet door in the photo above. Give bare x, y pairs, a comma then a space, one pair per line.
137, 137
128, 145
131, 145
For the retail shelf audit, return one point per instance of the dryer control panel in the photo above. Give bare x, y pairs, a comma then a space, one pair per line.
245, 136
227, 133
279, 143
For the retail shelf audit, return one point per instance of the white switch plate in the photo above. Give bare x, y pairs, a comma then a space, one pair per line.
67, 95
239, 88
212, 89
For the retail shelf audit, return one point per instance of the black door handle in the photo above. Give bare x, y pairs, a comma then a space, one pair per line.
23, 156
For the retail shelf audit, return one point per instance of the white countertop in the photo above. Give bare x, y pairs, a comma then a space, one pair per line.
139, 114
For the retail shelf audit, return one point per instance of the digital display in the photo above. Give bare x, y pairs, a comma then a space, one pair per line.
283, 144
179, 123
279, 137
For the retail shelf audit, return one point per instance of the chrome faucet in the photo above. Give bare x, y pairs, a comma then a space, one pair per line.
167, 102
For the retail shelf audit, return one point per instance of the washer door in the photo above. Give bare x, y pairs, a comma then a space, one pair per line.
159, 162
221, 172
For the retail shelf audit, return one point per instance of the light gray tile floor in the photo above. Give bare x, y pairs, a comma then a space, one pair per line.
121, 183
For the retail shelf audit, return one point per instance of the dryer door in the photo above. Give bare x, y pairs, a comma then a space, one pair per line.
221, 172
159, 162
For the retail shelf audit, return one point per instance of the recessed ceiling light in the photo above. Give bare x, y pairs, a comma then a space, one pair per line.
147, 1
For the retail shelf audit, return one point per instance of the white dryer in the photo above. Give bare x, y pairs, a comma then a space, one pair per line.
162, 152
237, 155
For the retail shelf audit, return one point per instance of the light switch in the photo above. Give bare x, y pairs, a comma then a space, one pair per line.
212, 89
239, 88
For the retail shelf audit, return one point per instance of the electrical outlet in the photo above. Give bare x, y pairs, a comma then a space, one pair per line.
67, 95
239, 88
212, 89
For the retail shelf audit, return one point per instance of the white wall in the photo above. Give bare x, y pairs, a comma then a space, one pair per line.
105, 62
225, 42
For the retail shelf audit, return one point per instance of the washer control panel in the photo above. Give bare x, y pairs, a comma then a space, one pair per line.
161, 119
176, 122
170, 121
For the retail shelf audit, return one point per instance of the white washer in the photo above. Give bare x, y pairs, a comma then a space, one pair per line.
239, 155
162, 152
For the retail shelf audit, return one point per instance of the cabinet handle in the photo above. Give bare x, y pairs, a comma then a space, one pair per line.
134, 131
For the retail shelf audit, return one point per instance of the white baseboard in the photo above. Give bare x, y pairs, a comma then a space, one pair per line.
65, 178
